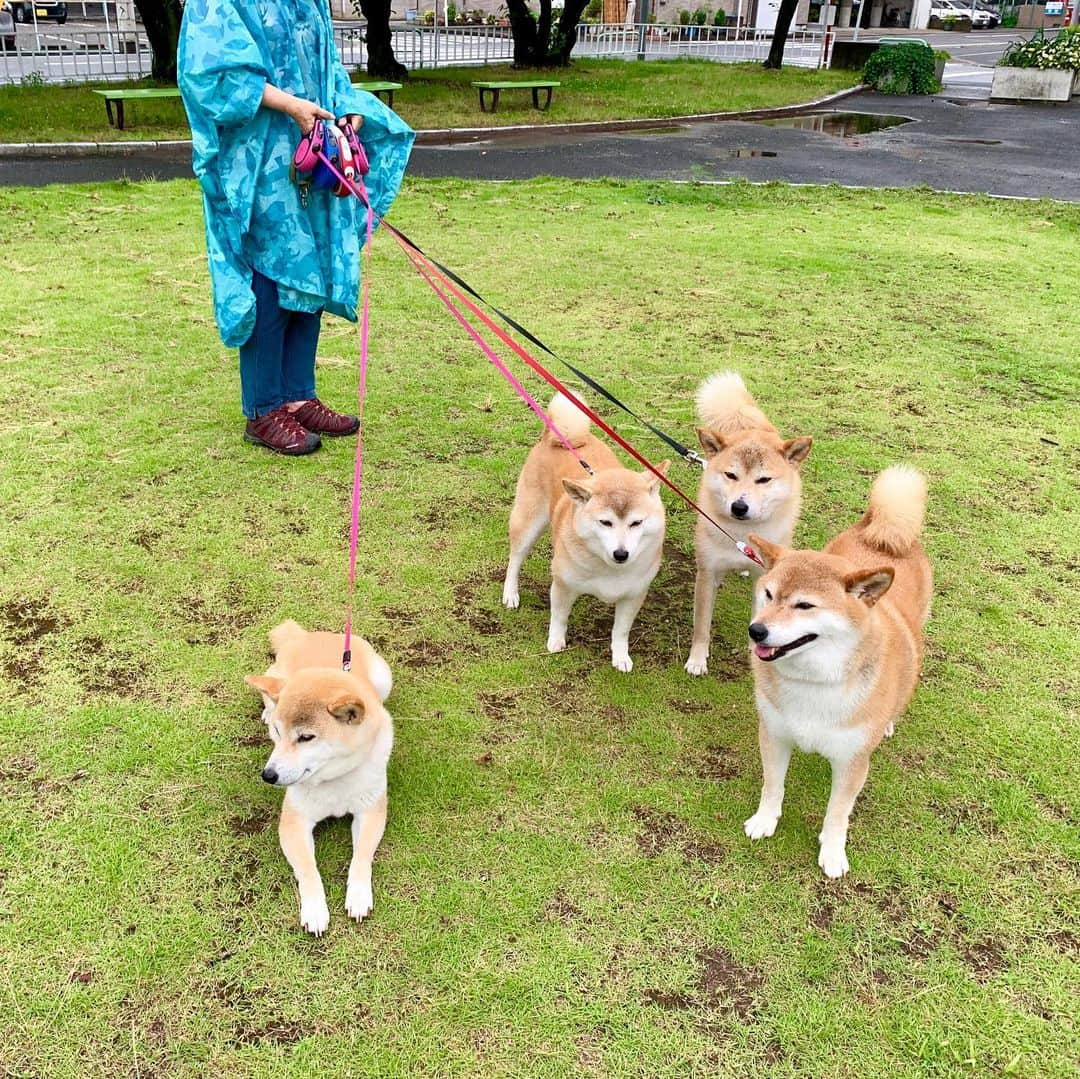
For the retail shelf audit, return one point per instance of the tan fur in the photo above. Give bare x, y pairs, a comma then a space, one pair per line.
332, 738
738, 441
554, 489
841, 693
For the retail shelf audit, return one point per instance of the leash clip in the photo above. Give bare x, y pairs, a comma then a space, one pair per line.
346, 660
749, 552
694, 458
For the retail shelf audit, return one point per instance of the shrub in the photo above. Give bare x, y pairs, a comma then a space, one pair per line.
684, 17
594, 10
451, 13
719, 17
1062, 51
902, 69
700, 17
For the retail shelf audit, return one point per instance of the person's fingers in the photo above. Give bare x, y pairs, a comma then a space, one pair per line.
322, 113
356, 120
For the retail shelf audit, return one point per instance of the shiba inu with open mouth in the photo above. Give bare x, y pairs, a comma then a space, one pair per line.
607, 530
332, 740
837, 641
751, 483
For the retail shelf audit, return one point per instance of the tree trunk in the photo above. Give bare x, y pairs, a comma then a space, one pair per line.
161, 21
784, 16
381, 61
535, 43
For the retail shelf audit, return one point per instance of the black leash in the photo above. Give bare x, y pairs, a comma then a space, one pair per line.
690, 456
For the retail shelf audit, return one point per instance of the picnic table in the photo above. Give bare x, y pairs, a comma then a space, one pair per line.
380, 88
495, 88
118, 97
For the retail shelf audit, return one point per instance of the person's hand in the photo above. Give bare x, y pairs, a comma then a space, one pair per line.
356, 120
305, 113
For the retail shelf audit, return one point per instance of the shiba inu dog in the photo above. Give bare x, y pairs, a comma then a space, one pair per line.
607, 530
751, 484
332, 740
836, 647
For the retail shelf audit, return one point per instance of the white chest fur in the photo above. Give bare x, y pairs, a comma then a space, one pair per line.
816, 717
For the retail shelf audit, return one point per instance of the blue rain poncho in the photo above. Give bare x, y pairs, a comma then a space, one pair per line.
229, 50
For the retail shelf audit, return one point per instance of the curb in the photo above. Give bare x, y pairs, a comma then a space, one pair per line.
438, 136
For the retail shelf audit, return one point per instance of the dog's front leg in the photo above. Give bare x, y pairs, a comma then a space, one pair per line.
625, 612
562, 599
848, 777
775, 758
367, 830
298, 845
705, 585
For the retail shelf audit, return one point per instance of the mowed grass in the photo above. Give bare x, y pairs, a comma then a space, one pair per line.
444, 97
564, 886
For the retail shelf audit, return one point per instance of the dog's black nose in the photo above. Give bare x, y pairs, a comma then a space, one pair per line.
739, 508
269, 774
621, 555
758, 632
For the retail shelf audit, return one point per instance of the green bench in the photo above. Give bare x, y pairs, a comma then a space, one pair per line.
118, 97
380, 88
495, 88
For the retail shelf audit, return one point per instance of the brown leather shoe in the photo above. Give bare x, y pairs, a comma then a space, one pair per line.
315, 416
281, 432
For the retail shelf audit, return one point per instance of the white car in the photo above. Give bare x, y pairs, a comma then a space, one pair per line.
957, 9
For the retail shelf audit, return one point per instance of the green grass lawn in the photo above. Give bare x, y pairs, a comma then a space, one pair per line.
564, 887
443, 97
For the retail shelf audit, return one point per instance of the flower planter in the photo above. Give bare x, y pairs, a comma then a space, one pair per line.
1032, 84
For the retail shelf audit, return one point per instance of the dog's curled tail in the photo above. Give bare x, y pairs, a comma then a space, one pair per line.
281, 635
569, 419
725, 404
894, 518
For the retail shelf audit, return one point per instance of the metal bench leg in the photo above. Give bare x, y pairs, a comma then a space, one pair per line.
390, 98
108, 112
120, 115
494, 99
536, 97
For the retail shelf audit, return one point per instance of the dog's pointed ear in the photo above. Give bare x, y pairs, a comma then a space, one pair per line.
266, 684
652, 479
347, 707
711, 442
771, 553
577, 491
869, 585
796, 450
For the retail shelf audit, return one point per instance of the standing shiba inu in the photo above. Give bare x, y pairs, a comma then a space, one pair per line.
837, 644
332, 740
751, 484
607, 531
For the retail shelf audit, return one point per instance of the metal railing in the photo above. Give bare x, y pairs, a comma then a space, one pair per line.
58, 55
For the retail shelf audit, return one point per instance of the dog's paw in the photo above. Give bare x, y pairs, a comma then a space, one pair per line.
556, 644
697, 665
622, 663
833, 860
315, 915
358, 901
890, 730
761, 825
511, 599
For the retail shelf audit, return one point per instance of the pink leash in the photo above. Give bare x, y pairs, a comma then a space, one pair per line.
358, 466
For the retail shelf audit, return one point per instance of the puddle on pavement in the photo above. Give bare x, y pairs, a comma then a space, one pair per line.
749, 153
978, 142
654, 130
843, 125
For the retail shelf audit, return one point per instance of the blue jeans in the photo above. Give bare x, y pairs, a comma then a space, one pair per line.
277, 364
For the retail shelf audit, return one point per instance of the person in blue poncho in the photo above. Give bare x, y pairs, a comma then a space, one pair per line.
254, 75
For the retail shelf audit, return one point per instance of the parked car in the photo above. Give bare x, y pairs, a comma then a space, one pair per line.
959, 9
7, 28
45, 9
992, 10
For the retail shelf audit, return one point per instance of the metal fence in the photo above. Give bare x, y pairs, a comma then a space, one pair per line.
57, 55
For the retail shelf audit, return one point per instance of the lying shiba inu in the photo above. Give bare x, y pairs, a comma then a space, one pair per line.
837, 644
751, 484
332, 740
607, 530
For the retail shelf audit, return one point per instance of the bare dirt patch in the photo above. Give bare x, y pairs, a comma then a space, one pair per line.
722, 982
257, 822
27, 624
718, 763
